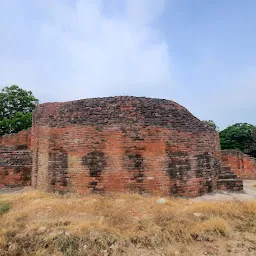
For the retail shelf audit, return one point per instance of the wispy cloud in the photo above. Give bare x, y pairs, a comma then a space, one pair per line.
64, 50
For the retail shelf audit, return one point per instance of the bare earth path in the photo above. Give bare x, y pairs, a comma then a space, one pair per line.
249, 193
13, 190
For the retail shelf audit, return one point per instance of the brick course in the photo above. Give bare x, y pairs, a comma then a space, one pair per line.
241, 164
15, 159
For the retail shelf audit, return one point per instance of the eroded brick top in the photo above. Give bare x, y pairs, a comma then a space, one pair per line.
120, 110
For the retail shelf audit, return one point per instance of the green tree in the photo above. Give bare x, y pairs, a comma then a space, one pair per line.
212, 124
239, 136
16, 106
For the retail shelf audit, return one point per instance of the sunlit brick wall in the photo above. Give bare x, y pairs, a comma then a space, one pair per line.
123, 144
241, 164
15, 159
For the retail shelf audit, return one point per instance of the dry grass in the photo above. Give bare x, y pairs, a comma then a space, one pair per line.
44, 224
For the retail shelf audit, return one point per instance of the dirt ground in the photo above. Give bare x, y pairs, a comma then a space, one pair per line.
249, 193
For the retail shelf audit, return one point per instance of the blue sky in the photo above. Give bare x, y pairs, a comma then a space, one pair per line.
198, 53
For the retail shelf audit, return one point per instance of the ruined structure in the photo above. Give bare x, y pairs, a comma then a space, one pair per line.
15, 159
126, 144
241, 164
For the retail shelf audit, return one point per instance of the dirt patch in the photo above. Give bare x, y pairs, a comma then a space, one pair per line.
16, 190
249, 193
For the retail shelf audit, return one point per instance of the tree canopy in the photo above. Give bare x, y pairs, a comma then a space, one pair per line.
16, 106
239, 136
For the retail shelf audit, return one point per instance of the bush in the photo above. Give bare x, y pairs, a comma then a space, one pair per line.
240, 136
4, 207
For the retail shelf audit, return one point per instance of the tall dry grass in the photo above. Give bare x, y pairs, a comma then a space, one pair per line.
44, 224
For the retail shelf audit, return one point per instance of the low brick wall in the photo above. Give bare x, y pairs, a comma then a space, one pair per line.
15, 168
241, 164
15, 159
16, 141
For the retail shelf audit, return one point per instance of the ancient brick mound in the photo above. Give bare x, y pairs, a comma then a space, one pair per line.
15, 159
117, 111
241, 164
123, 144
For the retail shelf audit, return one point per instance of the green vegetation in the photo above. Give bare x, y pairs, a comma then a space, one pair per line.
4, 207
240, 136
16, 106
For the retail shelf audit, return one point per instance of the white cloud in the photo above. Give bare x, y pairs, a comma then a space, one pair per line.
64, 50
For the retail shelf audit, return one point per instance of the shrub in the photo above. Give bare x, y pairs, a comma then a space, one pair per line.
4, 207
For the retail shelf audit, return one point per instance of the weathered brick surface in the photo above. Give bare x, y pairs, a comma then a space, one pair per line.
16, 141
15, 159
123, 144
241, 164
230, 184
228, 180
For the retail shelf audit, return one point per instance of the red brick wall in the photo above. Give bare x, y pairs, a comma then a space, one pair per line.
20, 140
123, 144
15, 159
241, 164
15, 168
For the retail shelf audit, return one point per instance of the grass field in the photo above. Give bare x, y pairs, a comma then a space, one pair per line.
37, 223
